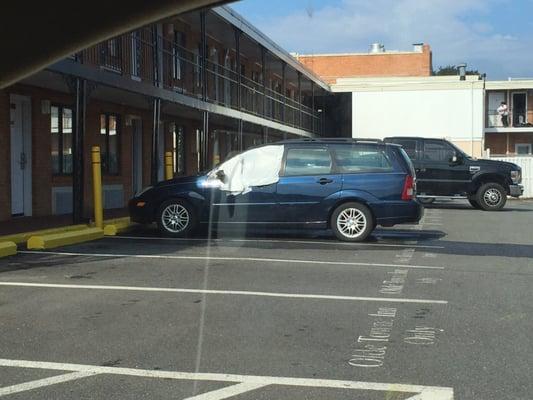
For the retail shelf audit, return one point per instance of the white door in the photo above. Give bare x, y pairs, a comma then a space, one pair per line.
20, 155
495, 99
137, 156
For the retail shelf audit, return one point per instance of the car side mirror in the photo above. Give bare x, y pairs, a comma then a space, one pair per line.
456, 159
221, 176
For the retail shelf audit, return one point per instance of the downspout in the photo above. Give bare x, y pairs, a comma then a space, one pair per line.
484, 114
472, 119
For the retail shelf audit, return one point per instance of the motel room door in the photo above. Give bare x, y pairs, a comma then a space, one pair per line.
20, 119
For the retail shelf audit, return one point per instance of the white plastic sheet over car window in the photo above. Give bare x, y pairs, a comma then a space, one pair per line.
255, 167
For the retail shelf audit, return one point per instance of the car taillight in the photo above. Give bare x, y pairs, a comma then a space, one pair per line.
408, 192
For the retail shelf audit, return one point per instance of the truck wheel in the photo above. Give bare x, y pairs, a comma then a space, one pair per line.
352, 222
474, 203
176, 218
426, 200
491, 196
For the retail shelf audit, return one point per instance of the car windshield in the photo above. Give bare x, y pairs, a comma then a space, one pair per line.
266, 200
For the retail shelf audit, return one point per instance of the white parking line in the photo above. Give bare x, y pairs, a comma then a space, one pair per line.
333, 243
222, 292
228, 392
23, 387
429, 392
215, 258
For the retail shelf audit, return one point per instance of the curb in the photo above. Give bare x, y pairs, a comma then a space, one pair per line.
50, 241
7, 249
114, 226
19, 238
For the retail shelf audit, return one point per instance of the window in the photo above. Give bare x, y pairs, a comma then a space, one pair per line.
310, 161
177, 62
178, 149
61, 131
435, 150
109, 143
523, 149
110, 53
197, 60
136, 53
408, 145
353, 159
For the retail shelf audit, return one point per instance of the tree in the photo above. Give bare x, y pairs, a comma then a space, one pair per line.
453, 70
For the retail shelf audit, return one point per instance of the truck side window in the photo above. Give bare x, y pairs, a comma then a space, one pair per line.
435, 150
409, 146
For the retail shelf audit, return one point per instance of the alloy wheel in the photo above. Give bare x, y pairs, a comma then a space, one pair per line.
175, 218
351, 222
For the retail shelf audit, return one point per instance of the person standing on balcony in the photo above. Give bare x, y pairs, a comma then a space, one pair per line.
503, 112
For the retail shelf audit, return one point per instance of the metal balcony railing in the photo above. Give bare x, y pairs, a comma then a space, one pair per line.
517, 118
139, 54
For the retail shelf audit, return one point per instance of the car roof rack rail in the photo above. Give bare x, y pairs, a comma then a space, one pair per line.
333, 140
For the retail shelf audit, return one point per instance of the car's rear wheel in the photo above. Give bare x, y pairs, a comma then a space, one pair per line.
352, 222
176, 218
473, 202
491, 196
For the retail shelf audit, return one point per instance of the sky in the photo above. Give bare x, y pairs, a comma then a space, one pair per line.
492, 36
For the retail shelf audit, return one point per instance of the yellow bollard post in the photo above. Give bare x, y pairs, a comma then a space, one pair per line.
169, 166
97, 188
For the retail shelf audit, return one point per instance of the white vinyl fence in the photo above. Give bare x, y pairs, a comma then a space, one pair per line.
526, 163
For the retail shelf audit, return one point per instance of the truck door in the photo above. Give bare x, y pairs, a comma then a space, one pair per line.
437, 174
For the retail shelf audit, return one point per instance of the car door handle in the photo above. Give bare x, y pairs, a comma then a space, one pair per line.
324, 181
420, 170
22, 161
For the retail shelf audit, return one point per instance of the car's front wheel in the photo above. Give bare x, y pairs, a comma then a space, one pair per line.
352, 222
491, 196
176, 218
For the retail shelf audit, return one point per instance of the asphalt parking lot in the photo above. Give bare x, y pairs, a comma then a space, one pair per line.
437, 311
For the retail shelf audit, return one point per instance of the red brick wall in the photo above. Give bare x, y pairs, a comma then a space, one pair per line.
497, 142
43, 180
385, 64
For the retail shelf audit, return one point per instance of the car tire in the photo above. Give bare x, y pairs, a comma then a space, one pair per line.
176, 218
426, 200
491, 196
352, 222
473, 202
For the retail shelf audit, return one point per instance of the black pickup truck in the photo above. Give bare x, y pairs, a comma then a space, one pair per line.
445, 171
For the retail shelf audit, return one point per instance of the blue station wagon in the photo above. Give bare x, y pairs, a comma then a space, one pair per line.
345, 185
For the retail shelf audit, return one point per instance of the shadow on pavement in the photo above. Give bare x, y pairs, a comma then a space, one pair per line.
279, 242
484, 249
510, 207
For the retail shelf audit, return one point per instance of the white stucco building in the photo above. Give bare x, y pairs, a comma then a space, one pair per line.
433, 106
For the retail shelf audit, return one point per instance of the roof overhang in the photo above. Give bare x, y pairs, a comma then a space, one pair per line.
521, 84
375, 84
36, 34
